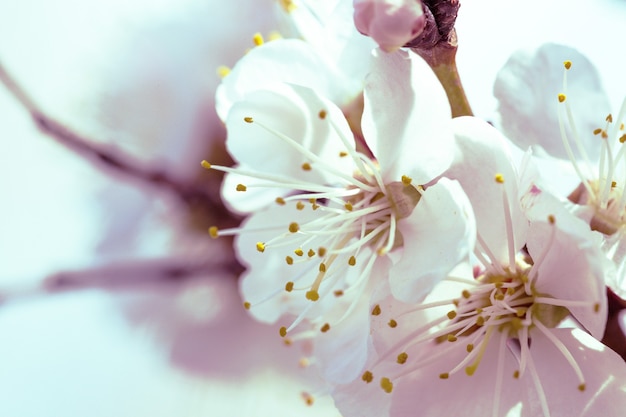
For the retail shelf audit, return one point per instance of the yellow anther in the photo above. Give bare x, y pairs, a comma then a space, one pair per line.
260, 246
248, 119
294, 227
392, 323
499, 178
596, 307
480, 321
241, 187
311, 253
325, 328
349, 207
322, 267
321, 251
287, 5
338, 293
386, 385
520, 312
343, 154
300, 205
479, 310
280, 201
444, 375
622, 138
451, 314
312, 200
205, 164
352, 261
406, 180
604, 134
213, 232
289, 286
561, 97
306, 166
452, 338
367, 377
322, 114
315, 206
282, 331
376, 310
402, 358
304, 362
289, 260
308, 398
466, 294
609, 118
258, 39
287, 342
470, 370
469, 347
613, 184
516, 374
499, 297
567, 64
597, 131
312, 295
222, 71
582, 387
381, 252
246, 305
551, 219
299, 252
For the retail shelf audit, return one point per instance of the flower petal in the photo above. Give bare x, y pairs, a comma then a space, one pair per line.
603, 369
439, 233
527, 88
406, 117
482, 153
281, 61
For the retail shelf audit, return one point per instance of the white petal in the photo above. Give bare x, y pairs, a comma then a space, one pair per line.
284, 60
406, 117
482, 153
294, 112
527, 89
439, 233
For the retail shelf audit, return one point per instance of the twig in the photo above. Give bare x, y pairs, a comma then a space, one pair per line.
107, 157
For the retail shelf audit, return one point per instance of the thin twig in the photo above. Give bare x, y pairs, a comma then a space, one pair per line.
106, 156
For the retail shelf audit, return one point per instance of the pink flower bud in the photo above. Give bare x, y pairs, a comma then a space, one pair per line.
391, 23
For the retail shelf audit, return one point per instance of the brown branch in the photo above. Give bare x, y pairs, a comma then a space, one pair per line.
107, 157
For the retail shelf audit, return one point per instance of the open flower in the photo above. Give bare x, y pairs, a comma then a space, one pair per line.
339, 217
594, 147
494, 337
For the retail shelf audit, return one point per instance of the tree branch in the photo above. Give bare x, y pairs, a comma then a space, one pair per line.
107, 157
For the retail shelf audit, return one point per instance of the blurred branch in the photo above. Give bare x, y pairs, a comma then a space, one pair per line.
107, 157
126, 275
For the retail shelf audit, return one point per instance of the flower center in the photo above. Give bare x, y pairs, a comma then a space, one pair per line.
604, 190
327, 228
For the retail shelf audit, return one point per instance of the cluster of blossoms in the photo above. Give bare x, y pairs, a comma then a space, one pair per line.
424, 259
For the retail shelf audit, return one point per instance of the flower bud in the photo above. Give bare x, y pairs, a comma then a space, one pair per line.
391, 23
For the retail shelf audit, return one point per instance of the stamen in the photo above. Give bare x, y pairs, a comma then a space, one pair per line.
509, 222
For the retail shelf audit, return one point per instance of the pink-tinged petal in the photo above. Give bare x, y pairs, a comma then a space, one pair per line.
390, 23
439, 234
406, 118
527, 89
482, 152
604, 373
282, 61
573, 268
255, 127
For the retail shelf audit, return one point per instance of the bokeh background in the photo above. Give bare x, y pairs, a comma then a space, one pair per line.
113, 300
